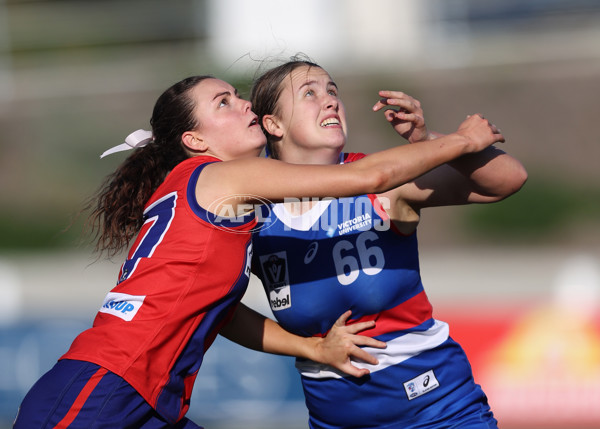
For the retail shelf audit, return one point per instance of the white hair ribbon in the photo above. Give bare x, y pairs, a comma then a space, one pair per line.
139, 138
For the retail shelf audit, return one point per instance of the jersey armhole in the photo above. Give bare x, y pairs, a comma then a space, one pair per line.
355, 156
385, 217
207, 216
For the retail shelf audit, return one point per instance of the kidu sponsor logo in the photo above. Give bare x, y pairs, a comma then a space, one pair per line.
122, 305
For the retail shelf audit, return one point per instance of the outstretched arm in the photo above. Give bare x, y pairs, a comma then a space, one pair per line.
252, 330
229, 184
482, 177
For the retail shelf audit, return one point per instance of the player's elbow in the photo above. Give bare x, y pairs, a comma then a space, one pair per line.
510, 183
515, 181
382, 180
520, 178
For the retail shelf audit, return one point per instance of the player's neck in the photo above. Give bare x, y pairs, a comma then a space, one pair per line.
323, 156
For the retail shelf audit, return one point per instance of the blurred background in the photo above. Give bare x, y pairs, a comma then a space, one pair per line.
518, 281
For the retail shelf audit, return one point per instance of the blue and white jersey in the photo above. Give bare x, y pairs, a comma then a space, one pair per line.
346, 254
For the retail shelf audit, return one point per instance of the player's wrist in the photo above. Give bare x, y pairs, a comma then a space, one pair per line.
432, 135
421, 136
315, 351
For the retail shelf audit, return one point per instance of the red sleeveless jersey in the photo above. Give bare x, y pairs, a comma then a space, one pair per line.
182, 279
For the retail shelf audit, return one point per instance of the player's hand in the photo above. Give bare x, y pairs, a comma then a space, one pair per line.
342, 342
480, 132
404, 114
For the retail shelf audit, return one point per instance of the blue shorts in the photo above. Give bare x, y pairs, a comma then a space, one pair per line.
380, 400
77, 394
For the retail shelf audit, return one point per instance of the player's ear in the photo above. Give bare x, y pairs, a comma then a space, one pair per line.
193, 141
272, 125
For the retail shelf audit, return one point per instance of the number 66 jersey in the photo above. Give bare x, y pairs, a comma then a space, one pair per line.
346, 254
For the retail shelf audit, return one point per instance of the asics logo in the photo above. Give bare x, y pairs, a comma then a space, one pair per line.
311, 252
426, 381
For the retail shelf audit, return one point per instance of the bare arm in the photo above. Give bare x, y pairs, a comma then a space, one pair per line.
275, 180
492, 174
252, 330
483, 177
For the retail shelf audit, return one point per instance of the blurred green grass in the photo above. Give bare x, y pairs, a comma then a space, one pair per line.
540, 213
543, 211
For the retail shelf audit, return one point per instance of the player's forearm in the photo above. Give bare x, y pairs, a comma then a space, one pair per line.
257, 332
246, 328
492, 172
402, 164
279, 341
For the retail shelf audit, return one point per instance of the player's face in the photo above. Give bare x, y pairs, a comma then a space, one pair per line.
311, 113
227, 124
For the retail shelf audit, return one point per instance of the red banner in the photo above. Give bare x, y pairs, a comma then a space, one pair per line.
539, 365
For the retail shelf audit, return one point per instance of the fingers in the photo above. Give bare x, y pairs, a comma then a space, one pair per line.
341, 321
361, 340
498, 137
360, 326
398, 99
354, 328
361, 354
354, 371
343, 343
496, 131
358, 354
412, 118
481, 117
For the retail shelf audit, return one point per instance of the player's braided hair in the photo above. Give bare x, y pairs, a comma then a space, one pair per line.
117, 207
